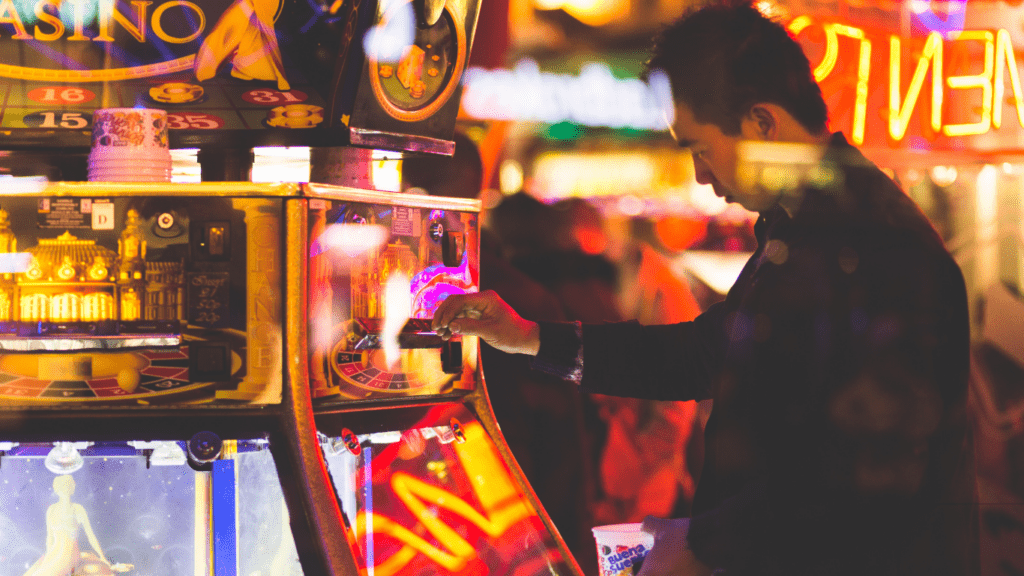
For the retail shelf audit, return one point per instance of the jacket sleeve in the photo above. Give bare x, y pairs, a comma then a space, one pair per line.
662, 362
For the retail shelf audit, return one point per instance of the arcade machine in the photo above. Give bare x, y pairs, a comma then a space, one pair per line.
231, 378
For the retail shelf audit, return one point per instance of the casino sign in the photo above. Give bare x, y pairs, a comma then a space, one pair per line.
257, 72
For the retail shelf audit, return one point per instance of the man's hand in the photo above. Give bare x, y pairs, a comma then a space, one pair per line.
670, 556
486, 315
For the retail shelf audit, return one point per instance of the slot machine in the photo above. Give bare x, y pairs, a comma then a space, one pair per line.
425, 481
228, 378
241, 379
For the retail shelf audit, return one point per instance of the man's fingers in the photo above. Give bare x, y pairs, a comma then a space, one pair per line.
467, 325
448, 310
459, 306
654, 525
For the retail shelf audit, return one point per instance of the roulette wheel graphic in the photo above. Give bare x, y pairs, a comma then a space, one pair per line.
367, 372
138, 375
413, 83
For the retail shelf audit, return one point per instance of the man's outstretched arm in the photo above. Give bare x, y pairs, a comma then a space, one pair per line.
486, 315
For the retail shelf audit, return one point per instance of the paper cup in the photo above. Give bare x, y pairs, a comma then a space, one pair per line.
125, 165
127, 154
129, 128
621, 548
130, 176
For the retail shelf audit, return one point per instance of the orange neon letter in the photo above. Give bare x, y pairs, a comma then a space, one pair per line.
863, 72
831, 56
899, 116
983, 81
1005, 60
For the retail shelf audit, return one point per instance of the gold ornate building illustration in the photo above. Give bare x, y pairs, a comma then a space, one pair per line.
69, 279
370, 278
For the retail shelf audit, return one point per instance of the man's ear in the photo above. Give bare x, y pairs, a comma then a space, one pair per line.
761, 123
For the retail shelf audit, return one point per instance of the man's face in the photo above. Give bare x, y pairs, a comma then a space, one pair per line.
715, 158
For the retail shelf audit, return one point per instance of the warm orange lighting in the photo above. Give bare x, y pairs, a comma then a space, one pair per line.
999, 58
678, 234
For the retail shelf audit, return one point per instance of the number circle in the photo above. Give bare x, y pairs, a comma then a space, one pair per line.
367, 369
70, 120
194, 121
274, 97
61, 95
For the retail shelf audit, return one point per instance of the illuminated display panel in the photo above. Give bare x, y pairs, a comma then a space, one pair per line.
108, 299
372, 267
436, 498
139, 508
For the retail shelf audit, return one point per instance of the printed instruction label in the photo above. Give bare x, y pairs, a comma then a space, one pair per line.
69, 213
405, 221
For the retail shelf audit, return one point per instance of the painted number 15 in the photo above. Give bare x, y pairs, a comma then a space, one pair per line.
55, 119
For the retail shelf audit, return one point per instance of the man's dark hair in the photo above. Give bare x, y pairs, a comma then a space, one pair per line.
724, 57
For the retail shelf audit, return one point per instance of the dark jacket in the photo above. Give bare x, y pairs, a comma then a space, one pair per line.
838, 365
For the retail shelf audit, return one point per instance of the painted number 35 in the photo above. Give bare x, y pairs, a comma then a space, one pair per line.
194, 121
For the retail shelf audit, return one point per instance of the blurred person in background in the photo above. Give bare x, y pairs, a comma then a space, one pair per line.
543, 424
838, 363
645, 462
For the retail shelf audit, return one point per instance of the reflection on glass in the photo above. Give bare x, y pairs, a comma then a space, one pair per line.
62, 557
167, 454
136, 508
266, 546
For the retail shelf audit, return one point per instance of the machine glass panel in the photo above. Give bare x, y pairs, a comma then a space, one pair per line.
145, 299
140, 508
376, 274
437, 498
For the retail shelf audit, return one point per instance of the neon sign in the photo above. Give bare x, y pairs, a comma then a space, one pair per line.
593, 98
998, 61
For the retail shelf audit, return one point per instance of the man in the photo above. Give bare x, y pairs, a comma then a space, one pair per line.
838, 362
